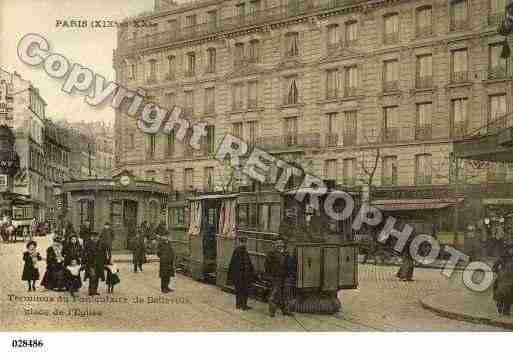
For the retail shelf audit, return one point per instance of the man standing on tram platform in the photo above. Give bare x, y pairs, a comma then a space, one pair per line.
280, 268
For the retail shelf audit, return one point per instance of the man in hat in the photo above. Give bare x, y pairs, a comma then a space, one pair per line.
280, 268
241, 274
107, 237
95, 258
167, 263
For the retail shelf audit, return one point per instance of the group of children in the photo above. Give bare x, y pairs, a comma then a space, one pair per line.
72, 272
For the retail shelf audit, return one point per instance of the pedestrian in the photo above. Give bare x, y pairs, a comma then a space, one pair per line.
139, 252
112, 276
72, 251
407, 267
503, 285
84, 230
53, 278
30, 269
167, 270
73, 280
94, 259
107, 237
279, 268
241, 274
33, 228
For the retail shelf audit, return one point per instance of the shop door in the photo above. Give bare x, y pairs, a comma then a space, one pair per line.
130, 213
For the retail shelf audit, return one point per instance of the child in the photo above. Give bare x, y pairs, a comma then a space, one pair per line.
112, 276
73, 280
30, 268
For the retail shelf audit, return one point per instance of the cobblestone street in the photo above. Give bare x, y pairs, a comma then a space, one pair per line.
381, 303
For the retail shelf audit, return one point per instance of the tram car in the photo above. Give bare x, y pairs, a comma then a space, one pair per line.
325, 250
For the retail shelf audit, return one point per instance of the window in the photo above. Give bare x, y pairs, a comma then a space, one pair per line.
424, 21
330, 170
172, 26
351, 35
423, 130
239, 53
252, 94
170, 99
497, 111
211, 60
332, 135
238, 93
459, 65
349, 171
190, 20
176, 217
171, 67
391, 75
391, 23
331, 84
208, 177
152, 76
188, 179
290, 131
189, 102
212, 20
254, 7
170, 150
423, 169
151, 143
292, 96
459, 14
389, 171
150, 175
252, 133
210, 100
237, 130
497, 67
496, 13
254, 51
191, 64
210, 140
351, 81
170, 179
424, 78
333, 35
240, 10
133, 71
292, 44
350, 128
390, 124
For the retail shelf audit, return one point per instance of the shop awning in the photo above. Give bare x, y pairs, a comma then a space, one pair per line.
414, 204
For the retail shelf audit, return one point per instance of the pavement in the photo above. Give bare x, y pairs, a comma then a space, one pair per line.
381, 303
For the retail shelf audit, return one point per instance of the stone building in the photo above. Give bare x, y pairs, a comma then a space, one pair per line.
335, 85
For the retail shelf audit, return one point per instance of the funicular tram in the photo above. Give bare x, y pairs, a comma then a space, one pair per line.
325, 249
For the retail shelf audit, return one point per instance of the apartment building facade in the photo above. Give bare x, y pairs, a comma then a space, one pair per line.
357, 92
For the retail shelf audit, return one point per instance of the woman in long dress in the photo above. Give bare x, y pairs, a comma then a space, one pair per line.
54, 278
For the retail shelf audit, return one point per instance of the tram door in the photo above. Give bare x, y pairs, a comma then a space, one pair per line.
211, 217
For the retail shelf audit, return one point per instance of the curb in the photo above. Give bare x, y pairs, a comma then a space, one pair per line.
465, 317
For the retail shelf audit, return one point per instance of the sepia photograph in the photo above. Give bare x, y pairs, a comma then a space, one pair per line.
253, 166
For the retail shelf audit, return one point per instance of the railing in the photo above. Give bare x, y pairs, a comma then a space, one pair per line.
496, 18
424, 133
331, 139
423, 180
388, 181
331, 93
392, 38
424, 82
390, 135
459, 76
497, 72
389, 86
350, 91
424, 31
231, 23
282, 142
459, 25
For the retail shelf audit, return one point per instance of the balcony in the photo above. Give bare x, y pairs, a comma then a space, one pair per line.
459, 131
389, 180
424, 82
459, 76
424, 31
390, 135
423, 133
390, 39
495, 19
331, 139
497, 73
421, 180
350, 91
331, 93
458, 25
390, 86
301, 140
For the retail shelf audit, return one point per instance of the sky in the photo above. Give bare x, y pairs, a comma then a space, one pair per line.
88, 46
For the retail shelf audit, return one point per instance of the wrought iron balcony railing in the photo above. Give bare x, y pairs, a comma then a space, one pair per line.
423, 133
306, 140
459, 76
424, 31
497, 72
390, 135
424, 82
390, 86
495, 18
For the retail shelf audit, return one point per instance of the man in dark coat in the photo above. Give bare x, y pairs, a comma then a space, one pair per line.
95, 258
503, 285
167, 268
72, 251
107, 237
241, 274
84, 231
280, 269
139, 252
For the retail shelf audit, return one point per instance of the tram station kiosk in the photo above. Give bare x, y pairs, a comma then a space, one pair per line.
324, 248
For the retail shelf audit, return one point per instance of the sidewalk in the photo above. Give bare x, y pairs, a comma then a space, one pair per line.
467, 306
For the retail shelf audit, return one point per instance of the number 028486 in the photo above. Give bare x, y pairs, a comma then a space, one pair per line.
27, 343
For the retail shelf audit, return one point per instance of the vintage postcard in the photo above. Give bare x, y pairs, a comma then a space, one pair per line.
256, 165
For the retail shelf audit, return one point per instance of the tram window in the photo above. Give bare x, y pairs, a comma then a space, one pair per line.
176, 216
270, 216
116, 212
242, 215
212, 216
